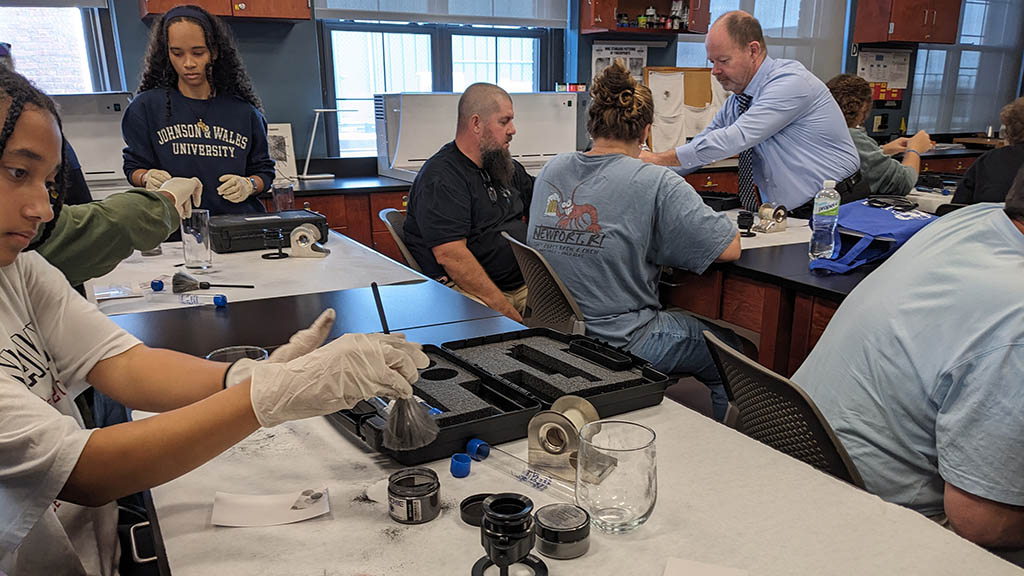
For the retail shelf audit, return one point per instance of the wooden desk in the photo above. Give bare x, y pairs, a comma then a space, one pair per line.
770, 291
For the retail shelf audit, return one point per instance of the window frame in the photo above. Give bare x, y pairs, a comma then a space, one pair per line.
440, 58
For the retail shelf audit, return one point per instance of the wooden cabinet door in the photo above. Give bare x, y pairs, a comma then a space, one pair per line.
945, 19
157, 7
872, 23
911, 21
382, 200
727, 182
700, 16
284, 9
597, 14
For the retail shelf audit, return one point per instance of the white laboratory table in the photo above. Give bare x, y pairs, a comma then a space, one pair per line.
349, 265
723, 499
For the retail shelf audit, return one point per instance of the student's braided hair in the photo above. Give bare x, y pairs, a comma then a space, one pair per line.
226, 74
17, 93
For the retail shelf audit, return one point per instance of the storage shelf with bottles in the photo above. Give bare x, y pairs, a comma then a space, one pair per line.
649, 17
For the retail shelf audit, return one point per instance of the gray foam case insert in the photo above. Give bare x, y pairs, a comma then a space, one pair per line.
441, 386
544, 365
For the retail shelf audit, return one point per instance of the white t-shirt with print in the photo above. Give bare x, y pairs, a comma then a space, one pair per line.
50, 338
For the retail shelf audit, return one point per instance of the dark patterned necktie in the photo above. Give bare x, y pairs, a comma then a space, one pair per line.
748, 196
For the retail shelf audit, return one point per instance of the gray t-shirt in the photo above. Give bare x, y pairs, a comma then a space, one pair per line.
885, 175
607, 223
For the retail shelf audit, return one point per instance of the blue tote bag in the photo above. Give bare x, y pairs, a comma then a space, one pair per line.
870, 233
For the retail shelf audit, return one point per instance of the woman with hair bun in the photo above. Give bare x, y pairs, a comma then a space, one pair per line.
607, 222
197, 115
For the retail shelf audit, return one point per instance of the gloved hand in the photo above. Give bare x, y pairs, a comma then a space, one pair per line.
185, 193
235, 188
335, 377
153, 179
301, 343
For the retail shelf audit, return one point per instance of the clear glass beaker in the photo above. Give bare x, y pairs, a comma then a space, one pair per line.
195, 240
617, 474
284, 197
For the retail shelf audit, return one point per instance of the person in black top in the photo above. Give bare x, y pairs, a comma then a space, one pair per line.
197, 115
465, 196
990, 177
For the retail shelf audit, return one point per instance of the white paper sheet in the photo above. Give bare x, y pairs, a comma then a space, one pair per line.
890, 66
269, 509
680, 567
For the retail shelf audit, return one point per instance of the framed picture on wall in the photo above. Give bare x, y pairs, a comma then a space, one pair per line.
282, 150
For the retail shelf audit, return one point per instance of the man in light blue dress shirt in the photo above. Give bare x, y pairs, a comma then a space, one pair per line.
792, 125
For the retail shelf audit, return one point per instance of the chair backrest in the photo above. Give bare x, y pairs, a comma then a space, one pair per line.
395, 221
548, 302
775, 411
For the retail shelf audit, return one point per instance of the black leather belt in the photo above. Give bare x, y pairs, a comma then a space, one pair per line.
848, 184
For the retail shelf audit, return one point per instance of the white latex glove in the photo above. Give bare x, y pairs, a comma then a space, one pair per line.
301, 343
154, 179
187, 192
235, 188
335, 377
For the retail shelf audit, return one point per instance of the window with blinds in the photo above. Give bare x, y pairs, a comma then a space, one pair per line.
809, 31
961, 88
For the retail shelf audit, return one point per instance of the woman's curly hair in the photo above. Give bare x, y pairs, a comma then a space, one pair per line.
1012, 115
226, 74
620, 108
852, 93
17, 93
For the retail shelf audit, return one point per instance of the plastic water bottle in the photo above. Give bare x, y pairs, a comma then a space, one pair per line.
823, 223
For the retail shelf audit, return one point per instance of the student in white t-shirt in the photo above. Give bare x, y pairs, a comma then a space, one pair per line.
58, 481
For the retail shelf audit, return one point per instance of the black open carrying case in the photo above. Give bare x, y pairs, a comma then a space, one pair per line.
514, 375
241, 232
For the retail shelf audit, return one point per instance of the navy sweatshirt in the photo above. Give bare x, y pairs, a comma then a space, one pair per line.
234, 142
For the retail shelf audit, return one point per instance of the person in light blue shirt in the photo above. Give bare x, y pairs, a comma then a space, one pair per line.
607, 222
921, 373
793, 128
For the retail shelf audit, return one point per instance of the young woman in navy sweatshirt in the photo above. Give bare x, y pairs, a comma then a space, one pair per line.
197, 114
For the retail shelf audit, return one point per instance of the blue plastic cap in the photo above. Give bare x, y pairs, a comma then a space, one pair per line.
460, 465
157, 285
478, 450
220, 301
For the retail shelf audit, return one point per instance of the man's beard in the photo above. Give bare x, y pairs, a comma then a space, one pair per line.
498, 164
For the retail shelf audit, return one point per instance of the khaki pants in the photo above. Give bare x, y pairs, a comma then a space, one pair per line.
515, 297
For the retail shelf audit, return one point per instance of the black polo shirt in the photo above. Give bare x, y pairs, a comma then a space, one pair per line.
452, 199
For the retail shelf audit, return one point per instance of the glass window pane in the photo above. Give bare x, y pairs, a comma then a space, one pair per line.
691, 54
517, 64
49, 47
474, 59
719, 7
367, 63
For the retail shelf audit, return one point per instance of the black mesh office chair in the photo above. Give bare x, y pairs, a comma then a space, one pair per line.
395, 221
548, 302
776, 412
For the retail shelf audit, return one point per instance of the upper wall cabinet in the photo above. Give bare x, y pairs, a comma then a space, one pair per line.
279, 9
630, 16
931, 21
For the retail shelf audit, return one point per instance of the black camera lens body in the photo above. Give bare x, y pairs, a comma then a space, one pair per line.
745, 221
506, 533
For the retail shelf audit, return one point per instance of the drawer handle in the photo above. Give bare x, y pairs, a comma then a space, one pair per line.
240, 6
710, 184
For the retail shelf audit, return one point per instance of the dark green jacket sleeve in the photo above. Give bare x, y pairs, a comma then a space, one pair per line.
90, 239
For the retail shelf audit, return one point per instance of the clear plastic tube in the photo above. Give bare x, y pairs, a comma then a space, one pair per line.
218, 300
516, 467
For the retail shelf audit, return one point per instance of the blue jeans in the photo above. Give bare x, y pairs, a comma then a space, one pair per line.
672, 342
